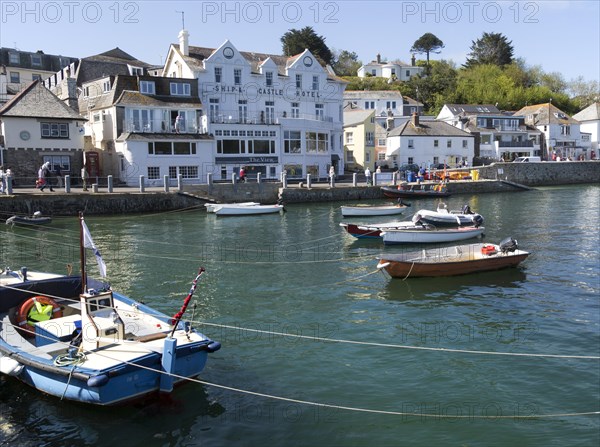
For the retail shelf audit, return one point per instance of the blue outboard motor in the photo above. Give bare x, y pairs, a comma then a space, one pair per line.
477, 220
508, 245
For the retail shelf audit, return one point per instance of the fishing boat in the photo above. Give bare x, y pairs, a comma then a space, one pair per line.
429, 234
213, 207
422, 191
73, 337
36, 219
369, 210
442, 216
457, 260
246, 210
373, 231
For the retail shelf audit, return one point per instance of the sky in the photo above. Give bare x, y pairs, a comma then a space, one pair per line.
559, 36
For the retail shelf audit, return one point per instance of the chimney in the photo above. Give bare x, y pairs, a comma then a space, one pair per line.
413, 60
415, 119
389, 123
378, 58
184, 42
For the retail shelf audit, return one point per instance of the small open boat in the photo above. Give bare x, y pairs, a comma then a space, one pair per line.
246, 210
36, 219
77, 339
453, 218
429, 234
373, 231
213, 207
422, 191
368, 210
457, 260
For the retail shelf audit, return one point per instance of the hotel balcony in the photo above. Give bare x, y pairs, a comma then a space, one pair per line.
160, 126
264, 118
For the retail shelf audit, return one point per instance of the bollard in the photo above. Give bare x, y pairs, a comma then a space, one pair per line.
179, 182
209, 179
332, 181
284, 180
95, 187
258, 177
9, 189
374, 179
233, 178
141, 183
308, 180
354, 179
110, 183
67, 183
166, 183
395, 178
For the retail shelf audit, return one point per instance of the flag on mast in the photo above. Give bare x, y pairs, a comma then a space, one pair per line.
88, 242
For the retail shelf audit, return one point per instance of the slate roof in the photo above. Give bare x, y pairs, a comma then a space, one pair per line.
590, 113
36, 101
473, 109
50, 62
135, 98
429, 128
356, 116
110, 63
546, 114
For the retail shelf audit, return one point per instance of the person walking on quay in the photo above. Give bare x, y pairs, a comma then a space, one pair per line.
43, 173
368, 176
84, 177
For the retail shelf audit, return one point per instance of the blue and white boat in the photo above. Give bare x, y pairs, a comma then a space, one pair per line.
77, 339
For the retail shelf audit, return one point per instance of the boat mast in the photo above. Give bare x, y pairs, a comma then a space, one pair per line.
82, 254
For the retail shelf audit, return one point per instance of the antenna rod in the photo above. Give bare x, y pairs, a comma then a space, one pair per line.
182, 19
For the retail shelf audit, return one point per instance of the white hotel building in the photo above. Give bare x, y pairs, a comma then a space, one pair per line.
267, 113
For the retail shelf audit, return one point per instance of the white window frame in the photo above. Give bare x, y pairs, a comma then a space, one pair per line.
147, 87
218, 74
180, 89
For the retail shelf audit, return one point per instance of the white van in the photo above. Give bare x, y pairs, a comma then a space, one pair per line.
526, 159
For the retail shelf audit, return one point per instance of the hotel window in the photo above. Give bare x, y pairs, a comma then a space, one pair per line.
180, 89
15, 77
237, 76
230, 146
14, 59
322, 142
292, 141
147, 87
153, 172
172, 172
213, 109
298, 81
465, 144
349, 138
262, 147
449, 143
55, 130
311, 141
36, 60
218, 74
319, 111
243, 110
295, 110
436, 143
411, 144
188, 171
270, 112
269, 78
315, 83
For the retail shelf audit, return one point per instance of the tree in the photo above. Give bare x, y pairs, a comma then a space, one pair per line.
296, 41
345, 63
491, 48
584, 92
427, 43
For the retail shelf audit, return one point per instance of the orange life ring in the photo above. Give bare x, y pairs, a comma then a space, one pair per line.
24, 323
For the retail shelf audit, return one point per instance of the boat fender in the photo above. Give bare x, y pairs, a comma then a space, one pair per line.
10, 366
213, 346
34, 309
99, 380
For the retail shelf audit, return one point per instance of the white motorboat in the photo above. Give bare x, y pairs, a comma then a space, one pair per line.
442, 216
237, 210
428, 234
213, 207
368, 210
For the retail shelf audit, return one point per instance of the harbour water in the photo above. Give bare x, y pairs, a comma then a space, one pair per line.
300, 274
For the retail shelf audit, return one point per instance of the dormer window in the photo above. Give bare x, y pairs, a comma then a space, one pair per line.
147, 87
135, 71
36, 60
560, 115
106, 86
180, 89
13, 58
269, 78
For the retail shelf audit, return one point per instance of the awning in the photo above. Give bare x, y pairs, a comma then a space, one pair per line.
335, 157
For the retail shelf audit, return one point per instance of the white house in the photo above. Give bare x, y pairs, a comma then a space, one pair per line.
562, 135
37, 127
499, 136
428, 143
390, 70
589, 119
150, 126
268, 113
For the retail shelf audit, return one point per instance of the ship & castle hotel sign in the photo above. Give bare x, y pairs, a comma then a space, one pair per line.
253, 91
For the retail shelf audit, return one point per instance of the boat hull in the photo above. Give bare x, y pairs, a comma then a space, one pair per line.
372, 231
20, 220
430, 236
407, 193
372, 210
413, 265
449, 218
248, 210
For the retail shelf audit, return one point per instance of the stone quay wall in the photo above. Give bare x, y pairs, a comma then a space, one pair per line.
545, 173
